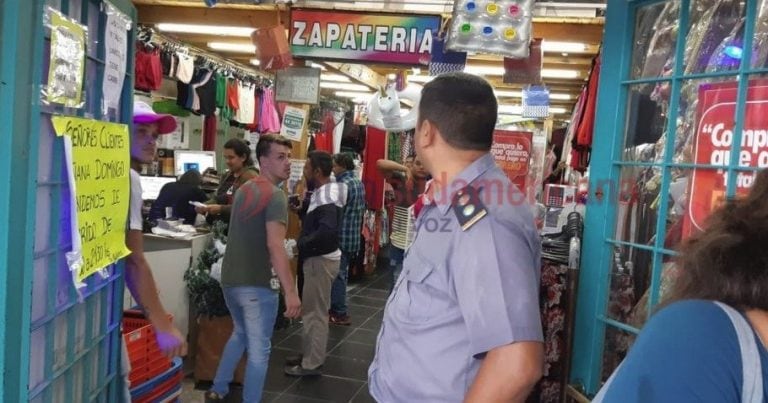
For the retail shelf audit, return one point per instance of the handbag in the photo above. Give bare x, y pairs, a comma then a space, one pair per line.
752, 384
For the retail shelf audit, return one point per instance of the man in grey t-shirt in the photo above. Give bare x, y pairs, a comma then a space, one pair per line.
255, 244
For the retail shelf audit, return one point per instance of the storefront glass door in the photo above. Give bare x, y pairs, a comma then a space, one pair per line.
55, 346
680, 126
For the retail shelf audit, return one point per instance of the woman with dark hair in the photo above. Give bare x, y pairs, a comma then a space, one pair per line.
177, 195
708, 342
237, 156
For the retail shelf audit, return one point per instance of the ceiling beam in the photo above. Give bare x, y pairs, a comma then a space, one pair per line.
257, 18
199, 4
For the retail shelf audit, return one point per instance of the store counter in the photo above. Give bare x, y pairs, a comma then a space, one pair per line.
169, 258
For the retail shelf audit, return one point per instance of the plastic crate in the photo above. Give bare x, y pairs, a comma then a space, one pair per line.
147, 361
162, 387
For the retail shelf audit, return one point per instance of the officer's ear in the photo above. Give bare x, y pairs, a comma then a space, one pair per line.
427, 133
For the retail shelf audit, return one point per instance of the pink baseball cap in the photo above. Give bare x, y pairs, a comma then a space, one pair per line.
143, 114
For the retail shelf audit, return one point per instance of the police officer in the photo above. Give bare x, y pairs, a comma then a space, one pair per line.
463, 322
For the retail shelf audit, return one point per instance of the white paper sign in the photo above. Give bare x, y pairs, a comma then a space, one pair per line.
116, 45
297, 172
293, 123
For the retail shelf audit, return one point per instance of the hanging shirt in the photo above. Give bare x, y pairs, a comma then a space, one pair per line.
186, 68
246, 99
221, 90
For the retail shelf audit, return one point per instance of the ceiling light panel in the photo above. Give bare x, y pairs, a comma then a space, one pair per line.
220, 30
232, 47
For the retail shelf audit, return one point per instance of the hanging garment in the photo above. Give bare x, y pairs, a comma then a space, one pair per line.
270, 120
233, 97
587, 124
375, 149
254, 126
186, 68
393, 147
324, 137
338, 130
206, 95
148, 70
209, 133
408, 149
246, 98
221, 90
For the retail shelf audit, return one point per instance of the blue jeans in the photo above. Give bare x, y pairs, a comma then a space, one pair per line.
253, 311
396, 256
339, 287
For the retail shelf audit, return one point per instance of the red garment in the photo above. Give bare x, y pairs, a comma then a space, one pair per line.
233, 99
148, 70
586, 128
324, 138
375, 149
254, 127
209, 133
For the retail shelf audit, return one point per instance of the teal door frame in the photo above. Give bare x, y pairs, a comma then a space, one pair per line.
22, 45
606, 164
20, 71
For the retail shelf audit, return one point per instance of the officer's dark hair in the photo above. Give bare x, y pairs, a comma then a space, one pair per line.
265, 144
345, 161
241, 149
320, 160
463, 107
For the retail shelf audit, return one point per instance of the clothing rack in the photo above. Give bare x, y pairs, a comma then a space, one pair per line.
147, 37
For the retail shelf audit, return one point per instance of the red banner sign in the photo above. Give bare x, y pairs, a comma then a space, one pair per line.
714, 140
512, 152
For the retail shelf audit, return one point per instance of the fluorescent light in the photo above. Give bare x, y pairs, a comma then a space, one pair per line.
233, 47
255, 62
563, 47
317, 66
344, 86
420, 79
510, 109
507, 109
335, 77
485, 70
519, 94
357, 96
558, 73
206, 29
499, 71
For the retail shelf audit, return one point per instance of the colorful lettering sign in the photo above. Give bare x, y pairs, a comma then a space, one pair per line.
100, 169
512, 152
714, 140
365, 37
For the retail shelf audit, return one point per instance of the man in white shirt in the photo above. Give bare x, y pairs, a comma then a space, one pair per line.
147, 126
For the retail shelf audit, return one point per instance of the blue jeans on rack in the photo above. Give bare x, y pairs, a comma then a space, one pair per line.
339, 287
253, 311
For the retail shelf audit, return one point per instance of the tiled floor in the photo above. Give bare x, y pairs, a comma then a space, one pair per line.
350, 351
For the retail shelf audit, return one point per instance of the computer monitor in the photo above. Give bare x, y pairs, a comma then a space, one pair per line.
184, 160
151, 185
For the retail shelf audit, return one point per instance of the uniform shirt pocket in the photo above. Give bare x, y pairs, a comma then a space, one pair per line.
415, 297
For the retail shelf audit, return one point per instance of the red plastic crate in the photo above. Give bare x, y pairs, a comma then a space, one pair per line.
147, 361
163, 389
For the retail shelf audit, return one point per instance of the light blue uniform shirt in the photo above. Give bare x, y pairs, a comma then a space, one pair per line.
461, 293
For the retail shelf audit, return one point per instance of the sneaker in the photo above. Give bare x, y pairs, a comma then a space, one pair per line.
341, 320
293, 360
213, 397
298, 370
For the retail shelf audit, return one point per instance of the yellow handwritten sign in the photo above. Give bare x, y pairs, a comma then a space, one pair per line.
101, 169
67, 64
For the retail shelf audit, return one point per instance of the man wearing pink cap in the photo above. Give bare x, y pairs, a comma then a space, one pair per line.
147, 126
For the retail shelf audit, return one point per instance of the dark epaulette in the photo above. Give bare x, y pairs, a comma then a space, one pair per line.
468, 207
